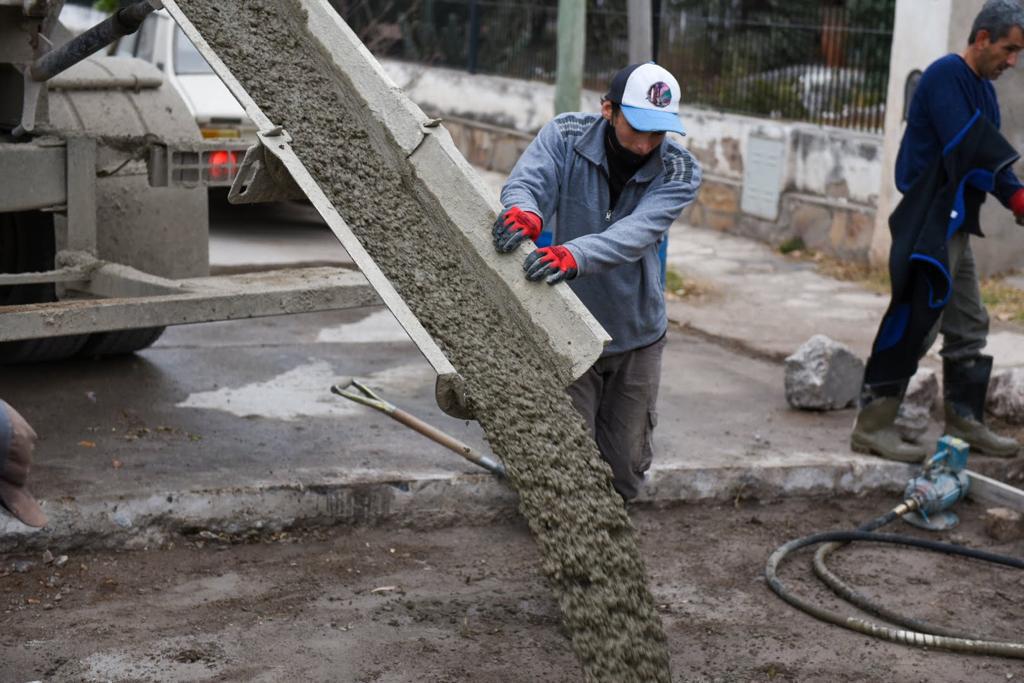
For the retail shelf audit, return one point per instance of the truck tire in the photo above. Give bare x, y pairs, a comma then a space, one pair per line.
120, 342
27, 245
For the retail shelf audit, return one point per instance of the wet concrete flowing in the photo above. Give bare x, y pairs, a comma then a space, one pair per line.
587, 543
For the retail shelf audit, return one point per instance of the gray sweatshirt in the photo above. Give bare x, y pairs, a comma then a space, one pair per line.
563, 177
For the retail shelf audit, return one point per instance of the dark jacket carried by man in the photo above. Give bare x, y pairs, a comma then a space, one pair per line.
944, 199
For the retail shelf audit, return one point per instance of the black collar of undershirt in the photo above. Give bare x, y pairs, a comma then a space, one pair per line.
622, 164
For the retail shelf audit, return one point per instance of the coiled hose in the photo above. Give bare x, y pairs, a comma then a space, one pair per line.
921, 633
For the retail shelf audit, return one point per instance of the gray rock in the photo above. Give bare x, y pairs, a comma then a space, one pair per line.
916, 409
1003, 524
1006, 395
823, 375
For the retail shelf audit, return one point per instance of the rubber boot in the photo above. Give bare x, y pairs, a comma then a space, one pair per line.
965, 385
875, 430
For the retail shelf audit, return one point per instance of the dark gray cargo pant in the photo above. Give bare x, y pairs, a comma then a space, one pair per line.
617, 398
964, 321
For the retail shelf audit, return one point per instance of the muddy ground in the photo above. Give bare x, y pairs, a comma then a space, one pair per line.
394, 604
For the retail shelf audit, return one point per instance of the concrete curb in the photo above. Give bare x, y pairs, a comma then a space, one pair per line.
773, 481
419, 499
258, 509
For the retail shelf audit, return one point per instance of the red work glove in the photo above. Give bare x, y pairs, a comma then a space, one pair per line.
1017, 205
513, 226
554, 263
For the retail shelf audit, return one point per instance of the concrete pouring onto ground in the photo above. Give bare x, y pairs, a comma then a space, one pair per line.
586, 540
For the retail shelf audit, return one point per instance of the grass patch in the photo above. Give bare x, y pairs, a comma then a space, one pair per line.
680, 286
794, 245
1003, 301
872, 277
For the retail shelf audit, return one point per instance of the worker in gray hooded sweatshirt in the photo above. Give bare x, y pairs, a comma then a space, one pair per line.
610, 184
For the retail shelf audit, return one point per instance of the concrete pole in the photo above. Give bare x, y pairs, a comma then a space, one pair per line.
641, 31
572, 36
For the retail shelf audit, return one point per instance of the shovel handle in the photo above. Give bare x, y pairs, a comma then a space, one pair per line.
447, 441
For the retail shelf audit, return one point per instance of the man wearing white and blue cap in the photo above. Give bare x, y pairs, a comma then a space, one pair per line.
607, 187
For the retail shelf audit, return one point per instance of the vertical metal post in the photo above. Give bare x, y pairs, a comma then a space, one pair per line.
81, 208
473, 47
572, 36
641, 28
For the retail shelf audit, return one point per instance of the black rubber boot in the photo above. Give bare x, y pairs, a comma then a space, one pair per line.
964, 387
875, 431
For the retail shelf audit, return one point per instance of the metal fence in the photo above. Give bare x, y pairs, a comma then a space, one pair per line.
820, 66
797, 60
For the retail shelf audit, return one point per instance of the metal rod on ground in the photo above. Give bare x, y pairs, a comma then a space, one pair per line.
368, 398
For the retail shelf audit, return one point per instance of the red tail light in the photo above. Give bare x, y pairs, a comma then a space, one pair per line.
223, 164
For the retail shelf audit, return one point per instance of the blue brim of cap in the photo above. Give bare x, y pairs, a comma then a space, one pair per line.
647, 120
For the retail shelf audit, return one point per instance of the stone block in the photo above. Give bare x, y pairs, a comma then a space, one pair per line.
694, 214
459, 136
916, 409
838, 190
723, 221
480, 148
1006, 395
732, 151
720, 197
823, 375
506, 153
850, 234
1004, 525
813, 224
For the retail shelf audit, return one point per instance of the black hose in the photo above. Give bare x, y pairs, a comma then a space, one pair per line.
851, 595
953, 643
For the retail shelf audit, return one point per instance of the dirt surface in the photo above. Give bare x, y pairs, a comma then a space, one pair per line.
587, 543
469, 604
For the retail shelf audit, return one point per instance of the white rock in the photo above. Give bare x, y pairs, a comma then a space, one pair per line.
916, 409
823, 375
1006, 395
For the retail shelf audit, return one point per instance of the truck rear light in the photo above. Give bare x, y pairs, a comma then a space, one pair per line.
222, 165
215, 165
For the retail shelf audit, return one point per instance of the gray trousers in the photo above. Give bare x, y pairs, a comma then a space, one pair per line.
617, 398
964, 321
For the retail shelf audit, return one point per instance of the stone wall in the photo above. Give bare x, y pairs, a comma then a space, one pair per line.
827, 187
823, 190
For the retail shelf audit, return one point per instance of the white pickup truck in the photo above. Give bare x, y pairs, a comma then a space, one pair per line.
161, 42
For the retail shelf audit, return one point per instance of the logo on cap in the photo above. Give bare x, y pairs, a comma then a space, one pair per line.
659, 94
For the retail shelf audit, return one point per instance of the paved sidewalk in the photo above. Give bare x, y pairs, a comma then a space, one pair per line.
771, 304
230, 427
